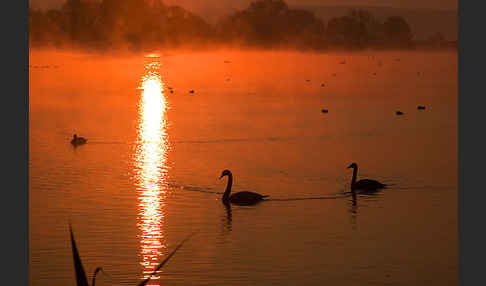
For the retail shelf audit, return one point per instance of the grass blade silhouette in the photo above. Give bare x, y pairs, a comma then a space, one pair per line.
96, 272
144, 282
81, 279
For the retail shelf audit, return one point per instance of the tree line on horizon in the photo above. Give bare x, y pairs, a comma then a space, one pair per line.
140, 24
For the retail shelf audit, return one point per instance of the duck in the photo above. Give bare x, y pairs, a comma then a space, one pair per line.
363, 185
240, 198
399, 113
324, 110
420, 107
78, 140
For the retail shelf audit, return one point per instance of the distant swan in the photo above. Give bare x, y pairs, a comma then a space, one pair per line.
364, 184
78, 140
240, 198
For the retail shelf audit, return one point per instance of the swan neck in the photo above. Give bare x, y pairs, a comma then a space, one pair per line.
228, 188
355, 173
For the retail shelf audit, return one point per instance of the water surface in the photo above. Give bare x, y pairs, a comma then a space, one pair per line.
148, 176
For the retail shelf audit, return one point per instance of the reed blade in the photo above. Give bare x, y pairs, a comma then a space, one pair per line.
81, 279
144, 282
98, 269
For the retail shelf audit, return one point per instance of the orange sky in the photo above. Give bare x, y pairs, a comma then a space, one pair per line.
436, 4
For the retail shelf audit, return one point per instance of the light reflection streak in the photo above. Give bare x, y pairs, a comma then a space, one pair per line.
151, 165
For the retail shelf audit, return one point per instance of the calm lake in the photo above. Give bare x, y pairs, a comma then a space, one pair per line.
149, 174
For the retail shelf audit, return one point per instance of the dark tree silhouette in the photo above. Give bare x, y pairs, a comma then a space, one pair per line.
270, 23
345, 31
397, 31
142, 24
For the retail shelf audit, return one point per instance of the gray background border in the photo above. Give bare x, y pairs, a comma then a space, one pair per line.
14, 62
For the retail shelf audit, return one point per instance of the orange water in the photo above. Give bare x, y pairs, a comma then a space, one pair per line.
148, 176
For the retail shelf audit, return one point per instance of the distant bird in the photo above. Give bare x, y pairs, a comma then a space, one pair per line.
227, 62
171, 91
333, 74
399, 113
324, 110
191, 91
374, 73
307, 80
78, 140
240, 198
363, 185
343, 62
323, 85
420, 107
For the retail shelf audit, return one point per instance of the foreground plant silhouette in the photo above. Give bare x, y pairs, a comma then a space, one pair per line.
81, 278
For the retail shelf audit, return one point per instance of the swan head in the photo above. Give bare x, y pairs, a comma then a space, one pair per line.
353, 165
225, 173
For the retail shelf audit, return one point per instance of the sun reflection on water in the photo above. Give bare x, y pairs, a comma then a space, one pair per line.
151, 167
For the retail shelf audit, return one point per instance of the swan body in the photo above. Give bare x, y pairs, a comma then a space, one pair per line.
240, 198
245, 197
364, 185
367, 184
78, 140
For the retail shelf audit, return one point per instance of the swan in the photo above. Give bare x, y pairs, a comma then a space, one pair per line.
363, 184
78, 140
240, 198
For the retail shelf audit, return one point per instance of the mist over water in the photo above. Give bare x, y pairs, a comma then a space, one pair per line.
148, 175
271, 24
